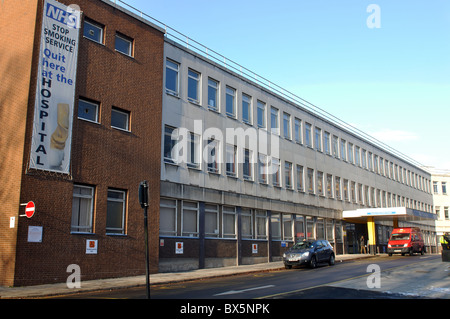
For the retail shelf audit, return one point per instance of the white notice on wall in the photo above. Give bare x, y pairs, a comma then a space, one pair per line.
35, 234
178, 247
91, 246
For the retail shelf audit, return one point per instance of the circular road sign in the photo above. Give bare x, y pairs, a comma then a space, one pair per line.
29, 209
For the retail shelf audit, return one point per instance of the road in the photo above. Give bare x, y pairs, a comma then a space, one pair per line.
396, 277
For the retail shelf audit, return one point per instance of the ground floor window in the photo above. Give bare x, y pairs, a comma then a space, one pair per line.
82, 209
116, 212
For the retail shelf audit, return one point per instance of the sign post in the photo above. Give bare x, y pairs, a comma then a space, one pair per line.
143, 200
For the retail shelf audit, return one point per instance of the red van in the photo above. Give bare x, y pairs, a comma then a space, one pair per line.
406, 240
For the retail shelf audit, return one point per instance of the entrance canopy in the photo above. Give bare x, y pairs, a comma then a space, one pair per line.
387, 213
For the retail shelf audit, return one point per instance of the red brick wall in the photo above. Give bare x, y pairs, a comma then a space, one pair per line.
17, 33
102, 156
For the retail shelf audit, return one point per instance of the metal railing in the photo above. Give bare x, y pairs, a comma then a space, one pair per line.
260, 80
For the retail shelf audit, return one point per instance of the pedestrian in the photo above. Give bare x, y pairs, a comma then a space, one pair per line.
445, 241
363, 245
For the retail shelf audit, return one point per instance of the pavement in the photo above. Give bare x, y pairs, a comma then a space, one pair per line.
48, 290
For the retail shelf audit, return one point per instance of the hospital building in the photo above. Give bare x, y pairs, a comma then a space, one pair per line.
238, 168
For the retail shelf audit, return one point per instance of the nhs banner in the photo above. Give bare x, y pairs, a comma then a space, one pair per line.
55, 89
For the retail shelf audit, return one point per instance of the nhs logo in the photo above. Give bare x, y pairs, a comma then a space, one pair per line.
69, 17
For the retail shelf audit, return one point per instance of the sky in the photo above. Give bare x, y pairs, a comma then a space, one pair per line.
382, 66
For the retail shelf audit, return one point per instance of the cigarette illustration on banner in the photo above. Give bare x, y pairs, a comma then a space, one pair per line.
59, 136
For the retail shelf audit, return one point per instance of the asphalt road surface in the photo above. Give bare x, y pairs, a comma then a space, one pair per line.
396, 277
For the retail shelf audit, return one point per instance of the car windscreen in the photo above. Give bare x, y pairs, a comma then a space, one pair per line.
302, 245
401, 236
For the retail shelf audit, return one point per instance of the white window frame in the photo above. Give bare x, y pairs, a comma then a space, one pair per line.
213, 85
126, 39
127, 116
175, 67
89, 214
123, 201
173, 207
194, 77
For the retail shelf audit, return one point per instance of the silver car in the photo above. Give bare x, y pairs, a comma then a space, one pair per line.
309, 253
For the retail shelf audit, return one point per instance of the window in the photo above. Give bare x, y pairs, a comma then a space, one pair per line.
357, 156
375, 164
287, 227
329, 186
346, 193
435, 187
298, 130
193, 86
300, 178
262, 168
275, 223
247, 167
350, 152
194, 151
343, 150
231, 160
246, 109
444, 188
172, 77
213, 87
261, 114
310, 180
170, 140
213, 156
364, 158
247, 223
318, 139
299, 227
82, 209
115, 213
275, 171
229, 222
337, 187
93, 30
446, 215
261, 224
370, 162
353, 191
319, 184
124, 44
230, 102
308, 135
211, 220
189, 217
310, 229
88, 110
274, 127
287, 126
326, 143
167, 217
335, 147
120, 119
288, 175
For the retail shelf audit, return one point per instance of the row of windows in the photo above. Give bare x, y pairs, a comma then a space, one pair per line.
443, 188
95, 31
268, 170
445, 215
181, 218
293, 128
89, 110
83, 210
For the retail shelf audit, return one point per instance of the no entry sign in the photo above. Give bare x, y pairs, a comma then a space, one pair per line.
30, 209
